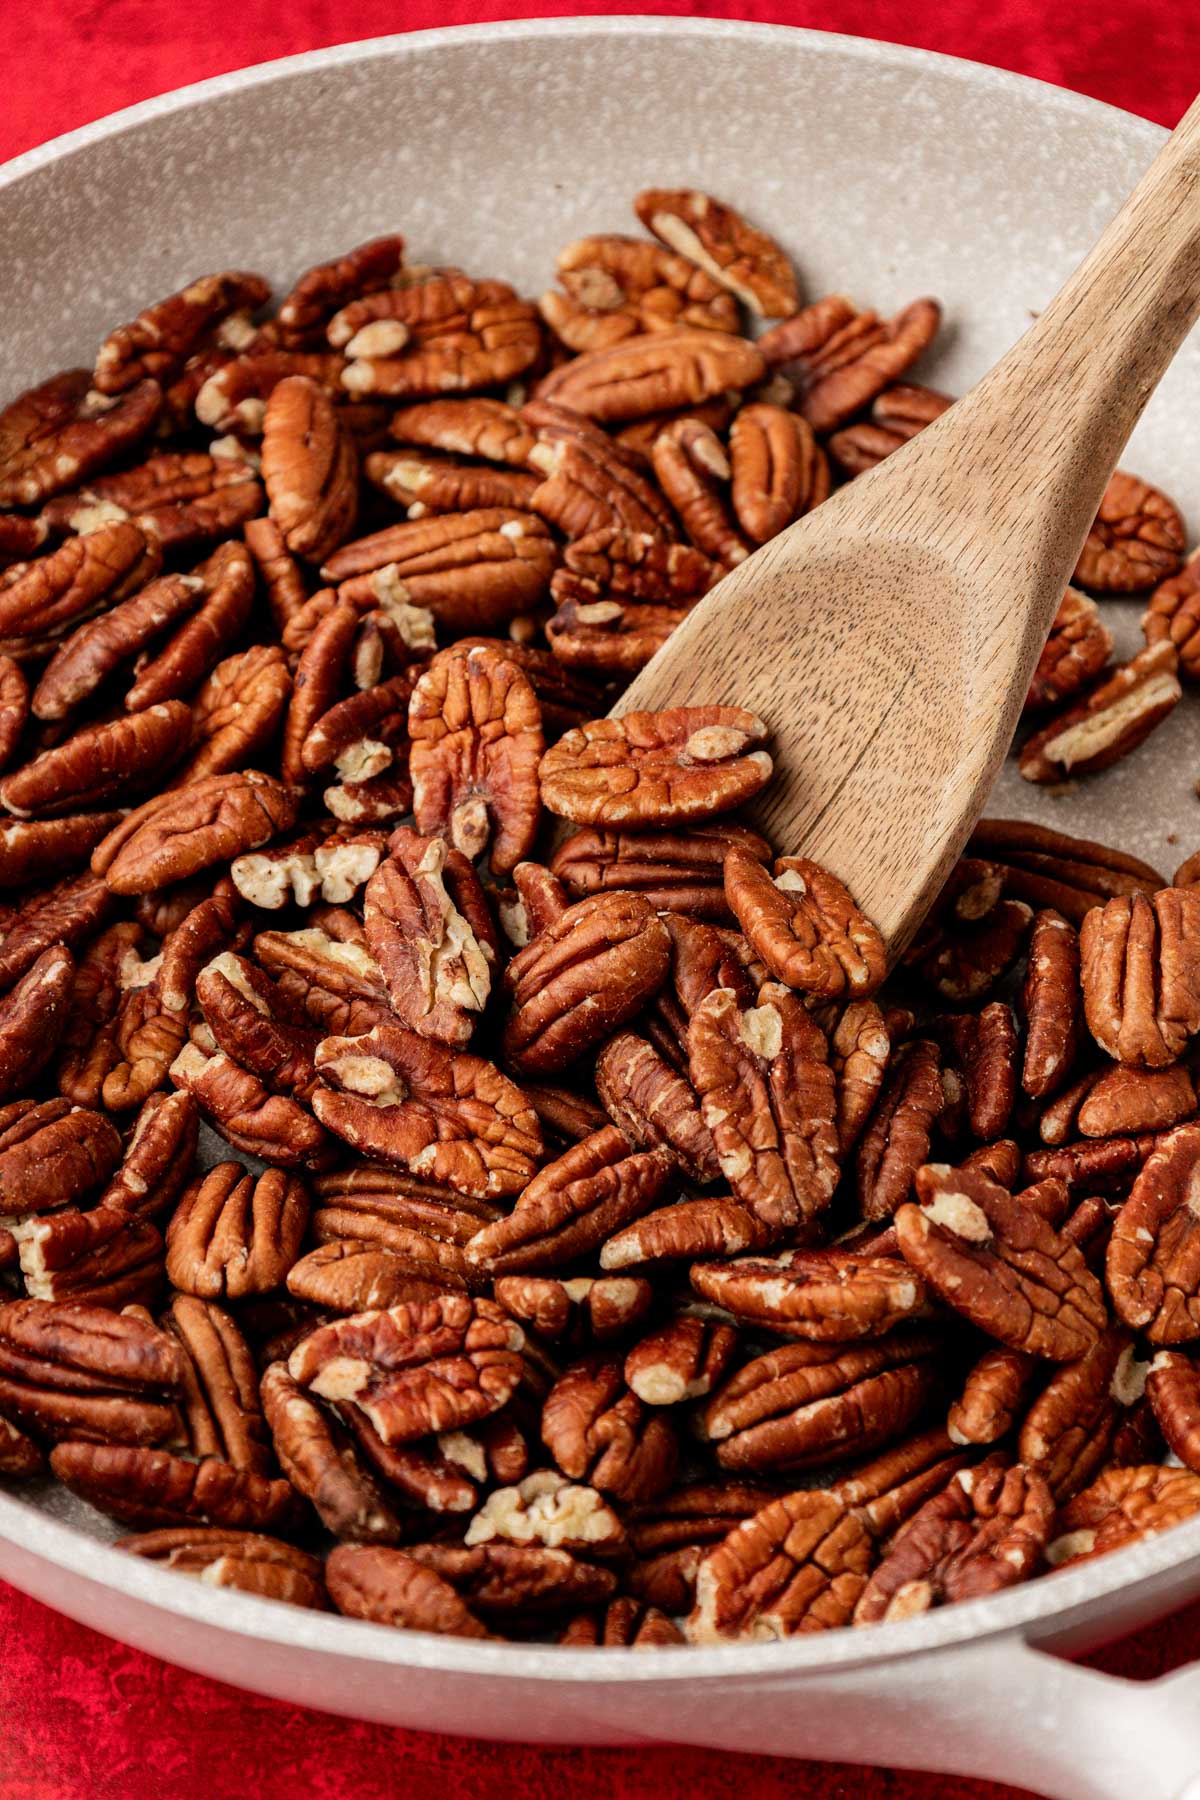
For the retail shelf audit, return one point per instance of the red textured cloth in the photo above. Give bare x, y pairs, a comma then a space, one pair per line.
82, 1718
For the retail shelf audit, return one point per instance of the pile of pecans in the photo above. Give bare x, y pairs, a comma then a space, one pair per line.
615, 1255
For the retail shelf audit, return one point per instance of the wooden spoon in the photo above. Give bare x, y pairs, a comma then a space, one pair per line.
888, 639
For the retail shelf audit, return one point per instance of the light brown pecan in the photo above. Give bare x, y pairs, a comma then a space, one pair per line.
804, 925
310, 469
278, 569
1000, 1264
610, 637
179, 833
590, 482
99, 646
389, 1588
653, 372
476, 427
985, 1531
1173, 1387
692, 469
220, 1401
184, 498
1051, 1004
474, 571
236, 712
1114, 719
320, 1460
573, 1204
545, 1509
638, 565
654, 1105
319, 680
450, 1117
721, 242
682, 1360
422, 483
1138, 962
246, 1560
841, 359
1068, 1431
349, 1275
1121, 1507
536, 901
65, 914
413, 1369
803, 1405
1151, 1266
993, 1395
152, 1489
1172, 616
427, 924
100, 762
779, 470
859, 1050
73, 1370
768, 1098
317, 294
246, 1114
1048, 868
678, 767
33, 1016
717, 1226
583, 977
233, 395
577, 1309
226, 595
257, 1025
233, 1234
678, 871
625, 1624
897, 415
1137, 1100
799, 1564
53, 436
1137, 539
619, 286
826, 1296
1076, 651
159, 341
40, 601
437, 334
103, 1256
476, 743
598, 1431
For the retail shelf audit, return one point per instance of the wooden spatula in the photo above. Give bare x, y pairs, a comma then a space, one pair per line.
888, 638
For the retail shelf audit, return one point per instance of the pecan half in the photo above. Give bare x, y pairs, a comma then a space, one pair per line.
1115, 718
718, 1226
841, 359
246, 1560
99, 646
518, 1582
100, 762
257, 1025
320, 1461
309, 305
434, 1365
678, 871
1138, 962
1151, 1259
477, 741
389, 1588
236, 712
1137, 539
590, 482
691, 467
682, 1360
804, 925
159, 341
651, 373
800, 1564
179, 833
677, 767
709, 233
477, 427
183, 498
1000, 1264
654, 1105
151, 1488
1172, 616
826, 1296
40, 601
1068, 1431
598, 1431
638, 565
1075, 652
897, 415
1048, 868
1051, 1004
779, 470
1120, 1507
73, 1370
220, 1401
226, 595
233, 1234
54, 435
310, 469
1173, 1386
246, 1114
625, 1623
440, 333
994, 1392
985, 1531
610, 637
32, 1018
53, 1154
422, 910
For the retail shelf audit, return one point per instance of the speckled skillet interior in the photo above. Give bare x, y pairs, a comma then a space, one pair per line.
886, 173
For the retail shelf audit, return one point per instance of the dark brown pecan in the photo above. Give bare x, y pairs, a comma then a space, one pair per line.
450, 1117
225, 597
423, 484
804, 925
654, 372
246, 1560
320, 675
389, 1588
970, 960
981, 1059
1137, 539
152, 1489
1048, 868
99, 646
896, 1140
177, 834
1114, 719
840, 359
415, 1369
474, 571
581, 978
1000, 1264
800, 1564
14, 707
33, 1016
159, 341
235, 1234
678, 767
1076, 651
654, 1105
721, 242
985, 1531
518, 1582
716, 1226
1135, 1100
41, 600
536, 901
624, 1624
828, 1296
682, 1360
1138, 970
1068, 1431
598, 1431
20, 538
767, 1096
53, 1154
236, 712
74, 1370
245, 1112
320, 1461
306, 309
572, 1205
1151, 1265
220, 1401
30, 850
897, 415
329, 953
1120, 1507
681, 871
310, 469
583, 1308
1173, 1387
20, 1457
100, 762
257, 1025
56, 434
994, 1393
670, 1535
477, 740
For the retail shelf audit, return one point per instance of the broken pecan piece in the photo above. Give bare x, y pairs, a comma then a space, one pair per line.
1114, 719
683, 1360
320, 1461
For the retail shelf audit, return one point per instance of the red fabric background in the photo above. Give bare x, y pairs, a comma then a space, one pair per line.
82, 1718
